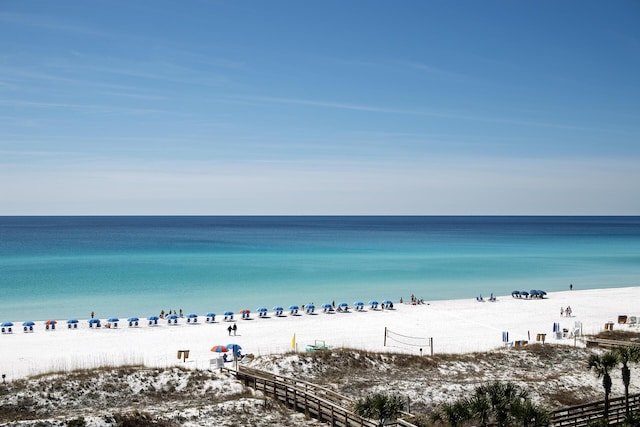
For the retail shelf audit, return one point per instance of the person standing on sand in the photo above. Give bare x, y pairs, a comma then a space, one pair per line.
229, 329
92, 314
235, 328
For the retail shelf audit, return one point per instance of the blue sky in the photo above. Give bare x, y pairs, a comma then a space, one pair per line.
331, 107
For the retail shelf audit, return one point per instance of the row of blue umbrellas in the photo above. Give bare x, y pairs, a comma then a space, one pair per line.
260, 310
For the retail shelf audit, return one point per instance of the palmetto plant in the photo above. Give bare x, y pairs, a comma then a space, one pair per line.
380, 407
626, 355
501, 404
601, 365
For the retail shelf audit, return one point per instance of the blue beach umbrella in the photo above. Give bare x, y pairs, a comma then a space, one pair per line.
343, 305
387, 302
192, 316
72, 321
294, 307
210, 314
94, 321
234, 348
278, 308
133, 319
309, 307
172, 316
152, 318
262, 309
228, 313
358, 304
27, 323
326, 306
6, 324
113, 320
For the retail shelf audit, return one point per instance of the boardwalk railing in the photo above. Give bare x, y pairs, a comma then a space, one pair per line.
315, 401
582, 415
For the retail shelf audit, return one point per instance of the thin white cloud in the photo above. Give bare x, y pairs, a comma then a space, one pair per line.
42, 22
420, 112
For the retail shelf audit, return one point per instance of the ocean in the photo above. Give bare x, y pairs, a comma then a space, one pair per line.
65, 267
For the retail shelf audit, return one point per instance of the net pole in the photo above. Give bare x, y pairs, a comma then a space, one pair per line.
431, 345
385, 336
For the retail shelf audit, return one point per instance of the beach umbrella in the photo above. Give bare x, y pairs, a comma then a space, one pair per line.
210, 314
262, 310
28, 323
192, 316
278, 308
72, 321
294, 307
133, 319
219, 349
113, 320
234, 348
541, 293
524, 293
6, 324
152, 318
387, 302
245, 311
326, 306
172, 316
51, 322
309, 307
343, 305
228, 313
358, 304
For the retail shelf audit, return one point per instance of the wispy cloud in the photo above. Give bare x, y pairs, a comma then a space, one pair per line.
42, 22
422, 112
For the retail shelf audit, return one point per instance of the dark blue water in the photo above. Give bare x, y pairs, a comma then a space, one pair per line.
119, 266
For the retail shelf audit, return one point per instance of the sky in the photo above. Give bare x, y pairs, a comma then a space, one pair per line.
330, 107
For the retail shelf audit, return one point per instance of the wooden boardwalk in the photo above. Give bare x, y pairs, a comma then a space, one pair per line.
315, 401
582, 415
605, 343
335, 409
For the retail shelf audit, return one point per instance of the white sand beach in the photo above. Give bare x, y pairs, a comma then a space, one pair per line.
456, 326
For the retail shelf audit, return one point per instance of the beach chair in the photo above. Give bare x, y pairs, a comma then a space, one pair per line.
632, 321
479, 298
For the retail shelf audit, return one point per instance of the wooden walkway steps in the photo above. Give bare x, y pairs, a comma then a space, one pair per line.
583, 415
605, 343
318, 402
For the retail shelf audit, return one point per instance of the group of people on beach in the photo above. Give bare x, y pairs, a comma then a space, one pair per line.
414, 300
565, 311
162, 313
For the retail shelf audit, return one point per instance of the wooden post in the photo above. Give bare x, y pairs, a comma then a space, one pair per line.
385, 336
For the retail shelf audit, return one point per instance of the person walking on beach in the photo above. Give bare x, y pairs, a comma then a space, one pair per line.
235, 328
229, 329
92, 314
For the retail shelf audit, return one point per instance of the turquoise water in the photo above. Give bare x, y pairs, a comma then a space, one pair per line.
61, 267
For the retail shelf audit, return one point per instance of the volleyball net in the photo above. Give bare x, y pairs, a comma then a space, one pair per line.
407, 342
